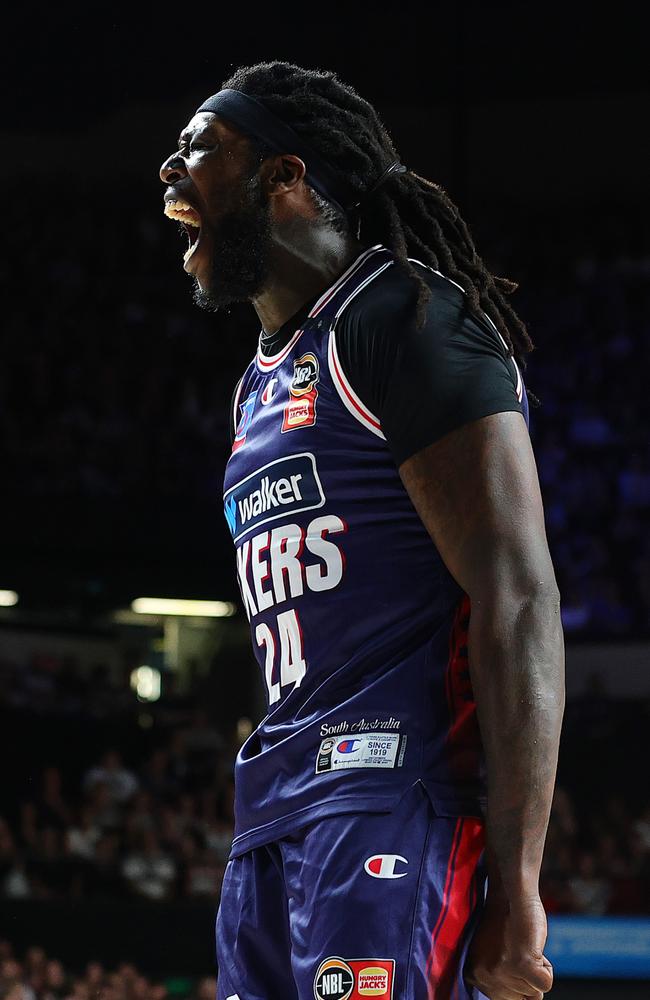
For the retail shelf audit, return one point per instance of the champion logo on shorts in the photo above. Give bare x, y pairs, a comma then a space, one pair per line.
384, 865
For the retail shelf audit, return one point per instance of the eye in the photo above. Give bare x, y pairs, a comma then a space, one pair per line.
198, 144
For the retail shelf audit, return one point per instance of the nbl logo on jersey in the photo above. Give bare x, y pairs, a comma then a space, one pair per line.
300, 411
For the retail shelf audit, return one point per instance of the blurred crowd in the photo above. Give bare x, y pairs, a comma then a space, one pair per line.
600, 865
37, 976
114, 386
118, 811
586, 302
123, 832
135, 802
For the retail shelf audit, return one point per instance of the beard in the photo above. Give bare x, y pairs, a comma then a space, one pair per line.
241, 251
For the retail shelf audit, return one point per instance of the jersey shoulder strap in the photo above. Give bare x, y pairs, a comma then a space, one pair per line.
365, 269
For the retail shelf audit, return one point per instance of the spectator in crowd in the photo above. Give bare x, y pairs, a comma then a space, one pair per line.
148, 869
121, 783
590, 893
39, 977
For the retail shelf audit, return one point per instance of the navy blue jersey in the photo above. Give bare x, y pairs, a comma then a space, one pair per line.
359, 628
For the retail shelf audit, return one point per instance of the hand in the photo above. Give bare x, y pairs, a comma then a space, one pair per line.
506, 960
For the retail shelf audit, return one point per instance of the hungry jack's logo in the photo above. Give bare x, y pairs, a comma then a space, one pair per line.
300, 411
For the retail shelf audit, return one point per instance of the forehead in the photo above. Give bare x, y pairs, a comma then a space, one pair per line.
206, 121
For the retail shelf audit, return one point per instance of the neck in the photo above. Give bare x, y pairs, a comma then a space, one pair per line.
305, 260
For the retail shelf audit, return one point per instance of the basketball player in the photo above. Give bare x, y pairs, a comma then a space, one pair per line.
391, 554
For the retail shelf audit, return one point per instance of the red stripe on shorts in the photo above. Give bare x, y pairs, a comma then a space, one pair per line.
458, 901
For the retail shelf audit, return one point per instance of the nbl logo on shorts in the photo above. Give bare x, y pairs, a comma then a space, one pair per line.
334, 980
354, 979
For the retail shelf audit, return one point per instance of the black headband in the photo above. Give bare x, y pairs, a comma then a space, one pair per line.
253, 117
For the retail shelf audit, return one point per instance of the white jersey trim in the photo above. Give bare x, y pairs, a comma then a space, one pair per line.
352, 269
347, 394
267, 362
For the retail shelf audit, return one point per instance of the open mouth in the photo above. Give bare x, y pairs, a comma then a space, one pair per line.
190, 221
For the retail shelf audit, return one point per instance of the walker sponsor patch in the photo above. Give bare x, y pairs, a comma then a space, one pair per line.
279, 489
364, 750
300, 411
352, 979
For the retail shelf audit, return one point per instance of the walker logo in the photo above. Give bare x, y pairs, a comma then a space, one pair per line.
383, 866
352, 979
279, 489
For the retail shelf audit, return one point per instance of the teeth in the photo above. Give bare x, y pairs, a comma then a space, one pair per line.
182, 212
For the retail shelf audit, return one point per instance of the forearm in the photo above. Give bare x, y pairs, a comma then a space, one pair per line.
516, 657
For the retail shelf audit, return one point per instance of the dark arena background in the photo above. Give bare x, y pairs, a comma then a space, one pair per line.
120, 720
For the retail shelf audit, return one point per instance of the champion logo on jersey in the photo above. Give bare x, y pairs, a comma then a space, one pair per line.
384, 866
279, 489
269, 392
348, 746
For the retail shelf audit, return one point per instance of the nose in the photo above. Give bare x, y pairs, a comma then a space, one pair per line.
173, 169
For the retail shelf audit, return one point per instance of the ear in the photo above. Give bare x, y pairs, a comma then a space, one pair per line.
282, 174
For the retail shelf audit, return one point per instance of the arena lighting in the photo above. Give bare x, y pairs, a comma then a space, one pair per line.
177, 608
8, 598
244, 728
146, 683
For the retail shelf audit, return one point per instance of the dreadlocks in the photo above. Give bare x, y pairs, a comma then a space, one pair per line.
409, 214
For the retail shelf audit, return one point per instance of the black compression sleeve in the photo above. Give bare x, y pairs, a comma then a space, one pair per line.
424, 383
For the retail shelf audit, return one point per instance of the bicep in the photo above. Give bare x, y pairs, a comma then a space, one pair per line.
477, 493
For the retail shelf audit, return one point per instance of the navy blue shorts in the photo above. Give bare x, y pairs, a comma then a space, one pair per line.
369, 905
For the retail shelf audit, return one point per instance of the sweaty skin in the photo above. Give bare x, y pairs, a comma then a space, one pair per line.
305, 255
477, 493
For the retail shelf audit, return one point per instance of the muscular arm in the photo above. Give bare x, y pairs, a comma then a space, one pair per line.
477, 492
